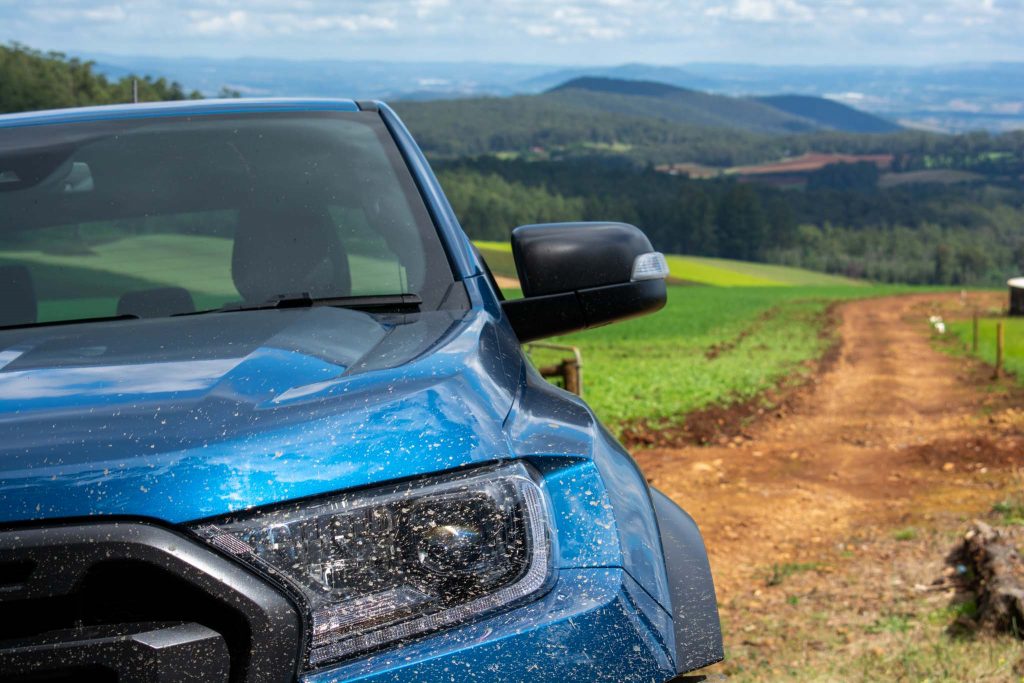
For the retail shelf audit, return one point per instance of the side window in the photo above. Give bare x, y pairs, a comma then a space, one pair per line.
375, 266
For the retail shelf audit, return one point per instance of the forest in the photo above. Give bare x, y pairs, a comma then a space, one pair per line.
32, 80
967, 234
564, 125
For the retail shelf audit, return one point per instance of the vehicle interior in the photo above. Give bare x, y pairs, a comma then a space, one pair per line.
161, 217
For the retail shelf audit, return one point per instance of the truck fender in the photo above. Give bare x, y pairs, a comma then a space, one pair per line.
698, 632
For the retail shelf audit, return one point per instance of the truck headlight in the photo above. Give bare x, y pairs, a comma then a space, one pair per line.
380, 565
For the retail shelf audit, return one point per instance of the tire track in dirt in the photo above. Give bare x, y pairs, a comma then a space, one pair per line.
893, 429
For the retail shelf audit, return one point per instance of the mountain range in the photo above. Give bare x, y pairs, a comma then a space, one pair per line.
946, 97
644, 121
774, 114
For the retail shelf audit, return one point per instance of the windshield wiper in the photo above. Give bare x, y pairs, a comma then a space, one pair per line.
377, 302
72, 321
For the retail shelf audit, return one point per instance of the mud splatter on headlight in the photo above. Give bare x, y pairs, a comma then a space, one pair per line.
381, 565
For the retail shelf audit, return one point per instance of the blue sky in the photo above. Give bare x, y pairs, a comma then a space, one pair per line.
551, 31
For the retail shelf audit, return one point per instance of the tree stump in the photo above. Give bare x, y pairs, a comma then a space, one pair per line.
999, 575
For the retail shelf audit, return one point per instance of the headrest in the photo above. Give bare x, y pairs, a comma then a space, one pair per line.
279, 252
18, 304
156, 303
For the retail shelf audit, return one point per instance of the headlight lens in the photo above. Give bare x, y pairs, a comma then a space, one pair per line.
381, 565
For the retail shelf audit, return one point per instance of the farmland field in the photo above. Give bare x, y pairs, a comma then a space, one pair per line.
753, 327
708, 346
727, 273
1014, 349
698, 270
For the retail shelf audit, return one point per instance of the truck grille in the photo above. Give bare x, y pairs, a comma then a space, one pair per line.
132, 601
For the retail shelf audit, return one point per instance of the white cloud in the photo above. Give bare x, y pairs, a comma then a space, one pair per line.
574, 22
762, 11
424, 8
111, 13
666, 31
236, 21
242, 22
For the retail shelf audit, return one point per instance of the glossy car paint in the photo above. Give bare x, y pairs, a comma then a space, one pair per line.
184, 418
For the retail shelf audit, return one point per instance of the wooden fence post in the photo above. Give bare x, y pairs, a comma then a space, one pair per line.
570, 369
1000, 345
974, 333
571, 376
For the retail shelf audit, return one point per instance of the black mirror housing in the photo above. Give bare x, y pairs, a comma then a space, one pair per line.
580, 275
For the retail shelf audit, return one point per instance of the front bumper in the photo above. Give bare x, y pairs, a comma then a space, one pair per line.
595, 624
78, 582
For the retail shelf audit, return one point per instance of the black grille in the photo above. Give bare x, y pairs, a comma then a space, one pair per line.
128, 601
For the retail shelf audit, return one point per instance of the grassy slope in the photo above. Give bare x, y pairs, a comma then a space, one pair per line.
74, 286
726, 273
687, 107
987, 341
657, 368
699, 270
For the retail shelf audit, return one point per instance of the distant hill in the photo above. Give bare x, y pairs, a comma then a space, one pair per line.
679, 105
829, 113
619, 86
648, 121
931, 97
668, 75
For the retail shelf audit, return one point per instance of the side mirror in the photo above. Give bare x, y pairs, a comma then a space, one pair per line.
580, 275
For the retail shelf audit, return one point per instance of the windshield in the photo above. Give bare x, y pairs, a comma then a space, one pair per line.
164, 216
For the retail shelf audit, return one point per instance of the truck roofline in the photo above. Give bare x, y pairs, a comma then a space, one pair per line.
174, 108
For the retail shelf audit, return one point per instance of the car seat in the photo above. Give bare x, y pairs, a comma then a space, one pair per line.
18, 305
286, 252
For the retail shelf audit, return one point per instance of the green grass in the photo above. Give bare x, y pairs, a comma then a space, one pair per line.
891, 623
700, 270
1014, 335
1010, 511
781, 572
728, 273
77, 285
657, 368
160, 260
499, 257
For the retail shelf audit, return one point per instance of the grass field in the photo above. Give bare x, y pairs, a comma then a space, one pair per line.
89, 284
763, 322
726, 273
699, 270
658, 368
1014, 350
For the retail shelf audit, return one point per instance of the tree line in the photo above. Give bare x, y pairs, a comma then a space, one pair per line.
925, 234
551, 127
31, 80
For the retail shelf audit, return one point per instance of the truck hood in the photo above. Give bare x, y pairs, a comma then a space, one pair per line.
188, 417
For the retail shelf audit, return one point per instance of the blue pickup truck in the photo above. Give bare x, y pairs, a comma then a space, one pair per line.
265, 416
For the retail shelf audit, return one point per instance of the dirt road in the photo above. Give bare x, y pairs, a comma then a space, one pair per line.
895, 442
